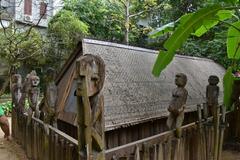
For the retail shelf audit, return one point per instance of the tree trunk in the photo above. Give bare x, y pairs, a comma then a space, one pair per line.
127, 22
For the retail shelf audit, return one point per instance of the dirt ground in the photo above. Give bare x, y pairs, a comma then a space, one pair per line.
9, 150
230, 155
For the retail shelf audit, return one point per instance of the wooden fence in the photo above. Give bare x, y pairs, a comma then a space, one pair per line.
40, 145
196, 143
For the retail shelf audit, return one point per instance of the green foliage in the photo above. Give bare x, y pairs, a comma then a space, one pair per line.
107, 20
188, 26
162, 30
66, 27
209, 23
21, 47
214, 49
65, 30
7, 107
201, 22
233, 41
100, 17
228, 81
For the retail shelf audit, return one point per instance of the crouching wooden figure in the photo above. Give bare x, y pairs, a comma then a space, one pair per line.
177, 104
90, 75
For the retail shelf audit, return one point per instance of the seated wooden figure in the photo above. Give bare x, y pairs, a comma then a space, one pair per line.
90, 75
177, 104
50, 98
212, 93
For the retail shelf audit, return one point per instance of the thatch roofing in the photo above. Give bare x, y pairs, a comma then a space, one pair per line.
131, 93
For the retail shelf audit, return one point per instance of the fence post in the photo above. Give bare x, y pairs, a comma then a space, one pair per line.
90, 68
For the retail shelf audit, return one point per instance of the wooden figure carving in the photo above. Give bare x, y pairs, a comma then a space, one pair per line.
90, 75
50, 98
16, 92
25, 89
177, 104
33, 95
212, 93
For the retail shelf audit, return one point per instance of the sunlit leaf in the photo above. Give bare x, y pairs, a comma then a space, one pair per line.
228, 80
162, 30
233, 41
181, 34
209, 23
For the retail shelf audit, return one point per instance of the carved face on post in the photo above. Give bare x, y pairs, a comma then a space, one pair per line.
17, 79
90, 70
50, 75
181, 80
34, 81
213, 80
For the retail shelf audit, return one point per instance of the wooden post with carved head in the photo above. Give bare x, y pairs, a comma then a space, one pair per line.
90, 75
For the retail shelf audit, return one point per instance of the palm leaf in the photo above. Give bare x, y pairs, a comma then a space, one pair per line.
191, 24
233, 41
228, 80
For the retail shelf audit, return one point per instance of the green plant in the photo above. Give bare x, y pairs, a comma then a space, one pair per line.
197, 24
7, 107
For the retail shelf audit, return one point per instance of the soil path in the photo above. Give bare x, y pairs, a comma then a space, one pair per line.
10, 150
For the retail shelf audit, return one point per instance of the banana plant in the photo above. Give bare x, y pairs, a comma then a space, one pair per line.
197, 24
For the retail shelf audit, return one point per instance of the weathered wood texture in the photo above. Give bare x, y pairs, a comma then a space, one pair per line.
196, 143
128, 134
132, 95
42, 146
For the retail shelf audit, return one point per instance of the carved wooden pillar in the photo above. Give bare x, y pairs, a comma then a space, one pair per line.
90, 75
50, 98
16, 95
33, 95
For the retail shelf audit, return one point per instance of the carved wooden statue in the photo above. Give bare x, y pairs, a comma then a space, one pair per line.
16, 92
177, 104
33, 95
90, 75
25, 89
50, 98
212, 93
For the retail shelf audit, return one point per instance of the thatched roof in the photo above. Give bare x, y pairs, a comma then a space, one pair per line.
131, 93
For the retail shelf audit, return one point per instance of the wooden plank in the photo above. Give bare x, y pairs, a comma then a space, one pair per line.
137, 153
130, 147
160, 151
28, 140
168, 149
69, 151
146, 154
56, 147
35, 141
